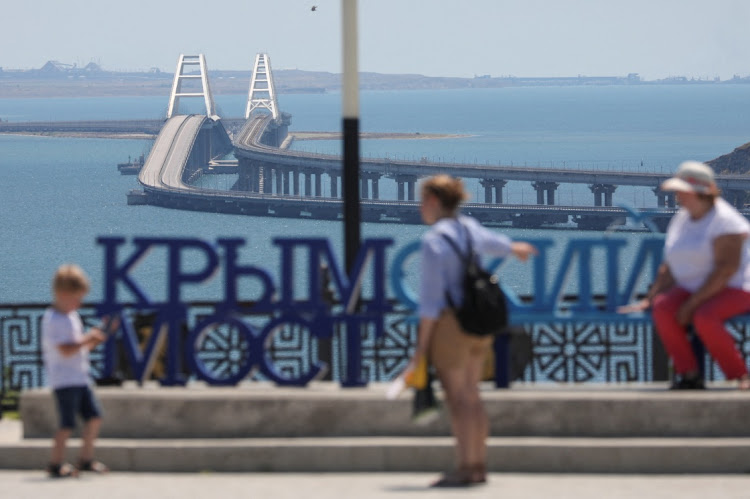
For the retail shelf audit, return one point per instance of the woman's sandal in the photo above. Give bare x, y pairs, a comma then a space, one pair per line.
478, 474
64, 470
95, 466
452, 480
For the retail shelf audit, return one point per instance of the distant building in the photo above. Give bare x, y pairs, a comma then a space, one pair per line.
92, 67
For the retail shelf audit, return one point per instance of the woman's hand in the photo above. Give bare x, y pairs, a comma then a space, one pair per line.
415, 374
411, 367
637, 306
685, 312
523, 250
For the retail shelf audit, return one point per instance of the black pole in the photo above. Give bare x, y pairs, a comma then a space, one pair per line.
350, 186
350, 111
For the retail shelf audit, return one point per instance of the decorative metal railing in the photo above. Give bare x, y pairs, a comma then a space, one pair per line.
609, 349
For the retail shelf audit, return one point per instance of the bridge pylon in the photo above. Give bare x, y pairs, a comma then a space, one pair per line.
262, 94
180, 76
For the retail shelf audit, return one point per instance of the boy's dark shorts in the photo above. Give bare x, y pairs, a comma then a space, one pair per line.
73, 400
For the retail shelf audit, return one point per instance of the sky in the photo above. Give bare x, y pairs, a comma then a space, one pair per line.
655, 38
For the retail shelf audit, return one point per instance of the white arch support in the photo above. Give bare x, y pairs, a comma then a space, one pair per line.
187, 61
262, 94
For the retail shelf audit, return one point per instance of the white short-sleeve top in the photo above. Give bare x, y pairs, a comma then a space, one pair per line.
689, 251
60, 329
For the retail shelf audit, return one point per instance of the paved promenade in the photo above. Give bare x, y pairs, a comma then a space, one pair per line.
32, 484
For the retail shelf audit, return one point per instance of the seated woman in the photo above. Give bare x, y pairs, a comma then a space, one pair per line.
704, 279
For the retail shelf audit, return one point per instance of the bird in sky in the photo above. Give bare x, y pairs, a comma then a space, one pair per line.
314, 8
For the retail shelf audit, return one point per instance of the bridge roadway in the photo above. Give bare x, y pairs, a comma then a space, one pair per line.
162, 177
248, 145
165, 165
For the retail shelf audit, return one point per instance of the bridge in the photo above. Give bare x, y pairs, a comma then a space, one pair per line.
276, 181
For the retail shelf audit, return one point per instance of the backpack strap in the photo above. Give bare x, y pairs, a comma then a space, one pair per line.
465, 259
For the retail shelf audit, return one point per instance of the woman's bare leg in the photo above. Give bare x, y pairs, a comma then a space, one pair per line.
468, 419
452, 381
477, 452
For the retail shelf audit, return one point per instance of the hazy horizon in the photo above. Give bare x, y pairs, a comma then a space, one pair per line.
530, 38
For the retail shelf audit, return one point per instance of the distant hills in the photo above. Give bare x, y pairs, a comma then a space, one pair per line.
55, 79
737, 161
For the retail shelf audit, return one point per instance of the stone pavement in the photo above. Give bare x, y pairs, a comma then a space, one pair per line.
635, 428
10, 431
34, 484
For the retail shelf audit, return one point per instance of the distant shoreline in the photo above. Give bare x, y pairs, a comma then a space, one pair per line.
301, 136
374, 135
80, 82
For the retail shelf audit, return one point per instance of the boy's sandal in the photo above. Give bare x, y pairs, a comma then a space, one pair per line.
64, 470
95, 466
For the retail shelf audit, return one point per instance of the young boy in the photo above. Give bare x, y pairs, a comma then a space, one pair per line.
65, 349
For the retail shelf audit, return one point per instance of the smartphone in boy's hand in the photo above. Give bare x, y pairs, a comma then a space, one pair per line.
107, 325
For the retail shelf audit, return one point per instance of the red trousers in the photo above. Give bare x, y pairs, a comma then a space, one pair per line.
708, 322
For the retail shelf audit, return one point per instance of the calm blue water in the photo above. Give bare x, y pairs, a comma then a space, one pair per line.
59, 194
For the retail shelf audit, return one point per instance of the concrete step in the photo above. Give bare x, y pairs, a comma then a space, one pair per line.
407, 454
326, 410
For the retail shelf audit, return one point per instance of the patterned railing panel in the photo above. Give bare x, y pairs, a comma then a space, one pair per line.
564, 351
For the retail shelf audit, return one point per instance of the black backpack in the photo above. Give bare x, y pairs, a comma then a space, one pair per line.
484, 310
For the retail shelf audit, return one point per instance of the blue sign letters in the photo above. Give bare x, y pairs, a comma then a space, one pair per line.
357, 299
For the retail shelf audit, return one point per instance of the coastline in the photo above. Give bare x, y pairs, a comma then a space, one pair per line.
86, 135
375, 135
292, 135
78, 82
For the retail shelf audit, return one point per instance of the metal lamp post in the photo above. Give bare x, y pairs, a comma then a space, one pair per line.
350, 115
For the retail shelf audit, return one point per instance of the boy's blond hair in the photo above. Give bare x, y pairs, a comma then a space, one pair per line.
70, 278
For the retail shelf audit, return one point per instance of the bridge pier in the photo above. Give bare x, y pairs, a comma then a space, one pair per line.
308, 183
491, 186
603, 194
248, 176
278, 188
545, 187
318, 184
255, 173
334, 185
736, 198
285, 173
368, 180
265, 172
664, 199
295, 181
410, 181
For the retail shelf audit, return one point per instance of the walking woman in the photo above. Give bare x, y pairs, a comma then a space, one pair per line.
457, 356
705, 277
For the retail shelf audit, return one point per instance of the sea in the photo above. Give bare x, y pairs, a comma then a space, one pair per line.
59, 195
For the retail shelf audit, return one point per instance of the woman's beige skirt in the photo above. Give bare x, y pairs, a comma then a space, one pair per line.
452, 348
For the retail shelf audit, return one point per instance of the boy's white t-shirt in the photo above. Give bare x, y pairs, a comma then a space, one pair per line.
60, 329
689, 251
